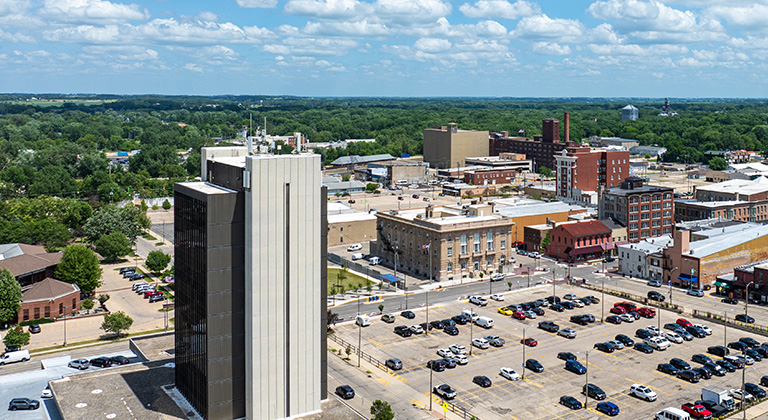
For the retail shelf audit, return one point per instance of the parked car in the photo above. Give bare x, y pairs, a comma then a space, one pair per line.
509, 373
667, 368
436, 365
530, 342
495, 340
480, 343
716, 369
608, 408
566, 355
34, 329
388, 318
745, 318
482, 380
557, 307
683, 322
157, 298
708, 330
730, 301
654, 283
81, 364
478, 300
613, 319
696, 331
451, 330
643, 334
701, 358
618, 310
593, 391
726, 365
738, 346
408, 314
416, 329
534, 365
137, 277
571, 402
102, 362
643, 348
618, 345
403, 331
119, 360
751, 342
460, 319
345, 391
575, 367
23, 404
697, 411
628, 342
567, 333
679, 363
568, 305
643, 392
605, 347
445, 391
755, 390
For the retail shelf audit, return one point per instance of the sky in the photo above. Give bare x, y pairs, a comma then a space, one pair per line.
391, 48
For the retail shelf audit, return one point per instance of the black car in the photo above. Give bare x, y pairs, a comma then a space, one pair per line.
738, 346
394, 364
408, 314
129, 273
566, 355
703, 372
605, 347
764, 381
730, 301
667, 368
568, 304
438, 325
534, 365
426, 327
101, 362
716, 409
157, 298
388, 318
23, 404
634, 314
593, 391
557, 307
753, 353
701, 358
654, 295
755, 390
436, 365
730, 368
345, 391
751, 342
643, 334
549, 326
718, 351
613, 319
450, 362
571, 402
553, 299
403, 331
762, 350
593, 299
482, 380
644, 348
716, 370
745, 318
448, 323
673, 327
628, 342
689, 375
696, 331
460, 319
119, 360
538, 311
679, 363
34, 328
451, 330
527, 306
589, 317
124, 269
586, 301
579, 319
137, 276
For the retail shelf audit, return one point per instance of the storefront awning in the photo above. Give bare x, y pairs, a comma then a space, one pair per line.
390, 278
722, 284
688, 277
608, 246
588, 250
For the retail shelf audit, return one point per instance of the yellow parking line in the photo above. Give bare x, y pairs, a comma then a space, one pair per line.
533, 383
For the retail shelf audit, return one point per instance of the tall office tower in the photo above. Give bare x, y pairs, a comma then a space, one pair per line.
251, 286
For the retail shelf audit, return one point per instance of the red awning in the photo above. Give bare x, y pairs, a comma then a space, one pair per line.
608, 246
588, 250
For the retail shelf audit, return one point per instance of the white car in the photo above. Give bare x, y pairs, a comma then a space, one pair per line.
480, 343
457, 349
578, 303
530, 314
478, 300
543, 302
673, 337
704, 328
355, 247
416, 329
657, 343
47, 393
497, 277
498, 298
445, 353
626, 318
570, 296
643, 392
460, 359
739, 395
509, 373
653, 330
616, 343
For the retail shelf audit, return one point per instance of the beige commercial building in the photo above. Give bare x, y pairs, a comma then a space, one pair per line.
351, 228
464, 242
447, 147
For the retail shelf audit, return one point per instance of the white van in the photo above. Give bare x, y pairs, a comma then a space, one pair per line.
358, 256
672, 413
484, 322
374, 260
14, 356
363, 320
470, 313
355, 247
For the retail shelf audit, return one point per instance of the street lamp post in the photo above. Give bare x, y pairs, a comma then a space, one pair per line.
523, 364
586, 381
725, 328
359, 333
65, 326
430, 389
529, 276
553, 286
471, 321
602, 302
746, 299
426, 330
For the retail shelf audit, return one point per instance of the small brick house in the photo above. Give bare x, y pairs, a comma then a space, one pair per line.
581, 241
49, 298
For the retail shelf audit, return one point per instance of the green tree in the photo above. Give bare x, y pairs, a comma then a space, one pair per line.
166, 205
345, 177
717, 163
116, 323
371, 187
545, 242
86, 304
10, 296
381, 307
15, 338
113, 245
127, 220
157, 261
545, 171
103, 298
80, 265
380, 410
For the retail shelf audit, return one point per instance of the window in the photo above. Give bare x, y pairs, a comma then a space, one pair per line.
633, 235
657, 197
450, 251
477, 265
646, 199
633, 200
644, 207
503, 244
502, 260
37, 313
644, 225
341, 230
450, 266
463, 245
667, 205
489, 241
489, 262
632, 217
476, 242
633, 209
26, 314
645, 216
633, 226
464, 265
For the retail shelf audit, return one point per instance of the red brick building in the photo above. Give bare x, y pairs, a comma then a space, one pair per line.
580, 241
540, 150
490, 176
49, 298
28, 263
645, 210
581, 169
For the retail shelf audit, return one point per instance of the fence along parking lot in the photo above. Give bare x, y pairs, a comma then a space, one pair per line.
537, 396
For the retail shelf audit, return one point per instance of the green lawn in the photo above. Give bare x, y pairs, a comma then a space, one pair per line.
351, 280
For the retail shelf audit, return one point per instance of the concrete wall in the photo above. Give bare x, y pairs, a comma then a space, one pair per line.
283, 287
350, 232
444, 148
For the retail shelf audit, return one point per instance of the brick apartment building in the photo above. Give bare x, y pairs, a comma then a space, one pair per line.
579, 241
540, 150
734, 190
743, 211
581, 170
490, 176
645, 210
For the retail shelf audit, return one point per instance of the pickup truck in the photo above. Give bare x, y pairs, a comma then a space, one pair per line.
697, 411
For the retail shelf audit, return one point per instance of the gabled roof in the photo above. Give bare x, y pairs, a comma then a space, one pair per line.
48, 289
22, 259
592, 227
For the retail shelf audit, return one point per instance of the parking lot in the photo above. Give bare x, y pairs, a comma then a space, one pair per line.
537, 396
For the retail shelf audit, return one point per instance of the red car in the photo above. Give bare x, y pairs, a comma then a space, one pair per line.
697, 411
618, 310
151, 293
647, 312
518, 315
629, 306
684, 322
529, 342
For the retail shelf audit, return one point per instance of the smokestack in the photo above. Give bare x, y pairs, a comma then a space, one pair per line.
567, 127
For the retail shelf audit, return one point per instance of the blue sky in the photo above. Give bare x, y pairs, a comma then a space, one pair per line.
522, 48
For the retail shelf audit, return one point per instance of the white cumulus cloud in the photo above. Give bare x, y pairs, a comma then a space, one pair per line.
551, 48
500, 9
753, 15
263, 4
432, 44
542, 27
91, 11
193, 67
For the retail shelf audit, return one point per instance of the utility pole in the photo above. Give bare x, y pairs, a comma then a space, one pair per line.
586, 382
523, 364
471, 315
359, 333
746, 301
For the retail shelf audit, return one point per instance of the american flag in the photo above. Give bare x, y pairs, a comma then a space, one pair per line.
425, 246
521, 131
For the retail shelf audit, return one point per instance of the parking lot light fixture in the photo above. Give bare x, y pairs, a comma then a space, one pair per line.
430, 389
586, 381
746, 298
602, 301
523, 343
471, 321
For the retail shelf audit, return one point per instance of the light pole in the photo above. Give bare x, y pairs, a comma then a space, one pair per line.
746, 300
426, 330
359, 333
430, 388
529, 276
65, 326
471, 315
725, 328
602, 302
553, 286
586, 381
523, 364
